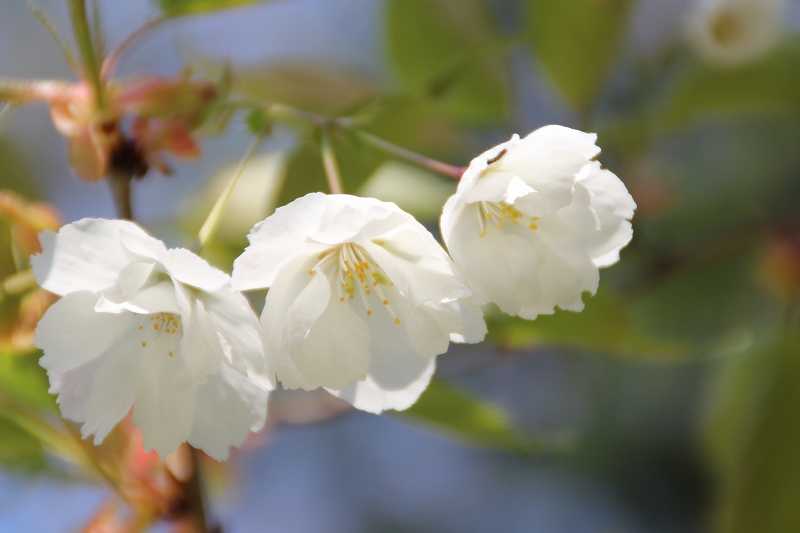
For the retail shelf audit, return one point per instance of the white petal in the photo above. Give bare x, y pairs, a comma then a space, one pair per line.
156, 299
352, 224
133, 276
201, 346
71, 333
235, 321
291, 280
614, 207
499, 267
226, 408
73, 389
335, 351
186, 267
113, 386
551, 139
142, 247
277, 240
373, 396
164, 414
498, 187
84, 255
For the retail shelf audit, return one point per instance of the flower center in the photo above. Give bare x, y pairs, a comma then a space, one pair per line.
498, 213
160, 329
352, 270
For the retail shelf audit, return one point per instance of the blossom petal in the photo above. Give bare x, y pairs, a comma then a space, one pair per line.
277, 240
497, 267
614, 207
370, 396
226, 408
142, 248
84, 255
335, 351
113, 387
234, 320
155, 299
71, 333
549, 139
163, 413
190, 269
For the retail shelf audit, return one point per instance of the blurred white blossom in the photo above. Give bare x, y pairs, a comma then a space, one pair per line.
361, 300
140, 326
533, 219
733, 32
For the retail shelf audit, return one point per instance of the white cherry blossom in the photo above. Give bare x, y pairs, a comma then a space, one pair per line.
140, 326
734, 32
533, 219
361, 300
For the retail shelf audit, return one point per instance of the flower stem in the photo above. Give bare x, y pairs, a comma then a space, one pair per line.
215, 216
195, 497
330, 164
121, 190
86, 48
427, 162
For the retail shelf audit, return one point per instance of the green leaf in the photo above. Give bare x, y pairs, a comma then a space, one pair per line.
577, 42
19, 449
605, 324
757, 441
23, 383
305, 173
453, 412
449, 51
701, 303
177, 8
772, 83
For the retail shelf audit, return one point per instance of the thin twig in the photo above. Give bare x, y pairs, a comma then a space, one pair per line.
427, 162
112, 60
215, 216
331, 166
286, 113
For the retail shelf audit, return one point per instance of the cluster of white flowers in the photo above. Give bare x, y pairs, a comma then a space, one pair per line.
361, 296
735, 32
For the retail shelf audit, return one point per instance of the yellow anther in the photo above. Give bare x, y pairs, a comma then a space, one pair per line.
310, 272
175, 324
170, 354
140, 327
368, 291
375, 283
144, 344
369, 312
341, 299
155, 326
374, 274
386, 302
489, 215
533, 226
396, 320
483, 234
351, 296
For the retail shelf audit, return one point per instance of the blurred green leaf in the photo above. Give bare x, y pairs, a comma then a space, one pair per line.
604, 324
177, 8
305, 173
449, 51
756, 439
313, 87
772, 83
577, 42
18, 449
458, 414
23, 383
706, 301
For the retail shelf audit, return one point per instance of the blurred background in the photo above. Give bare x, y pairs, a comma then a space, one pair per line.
670, 404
